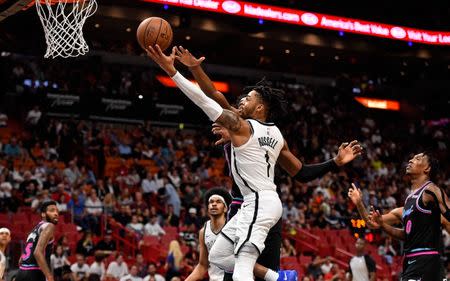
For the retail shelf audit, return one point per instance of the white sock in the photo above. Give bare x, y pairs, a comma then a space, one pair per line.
271, 275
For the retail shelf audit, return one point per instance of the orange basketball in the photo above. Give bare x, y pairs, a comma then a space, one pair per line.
154, 31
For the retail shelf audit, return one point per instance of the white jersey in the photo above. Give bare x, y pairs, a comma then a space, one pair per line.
215, 273
2, 264
253, 163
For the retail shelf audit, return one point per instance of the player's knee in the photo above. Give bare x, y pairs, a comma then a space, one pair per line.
221, 258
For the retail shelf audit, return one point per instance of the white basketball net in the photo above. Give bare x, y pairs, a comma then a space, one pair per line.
63, 26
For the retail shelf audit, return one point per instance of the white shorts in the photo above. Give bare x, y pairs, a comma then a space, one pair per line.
258, 214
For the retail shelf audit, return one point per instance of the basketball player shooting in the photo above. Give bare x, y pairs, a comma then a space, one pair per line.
34, 264
268, 262
256, 146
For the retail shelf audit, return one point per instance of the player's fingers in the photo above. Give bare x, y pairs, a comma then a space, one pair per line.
174, 50
201, 59
343, 145
158, 50
353, 143
354, 186
182, 49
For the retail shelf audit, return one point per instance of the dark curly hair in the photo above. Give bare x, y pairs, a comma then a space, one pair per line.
434, 164
218, 191
273, 98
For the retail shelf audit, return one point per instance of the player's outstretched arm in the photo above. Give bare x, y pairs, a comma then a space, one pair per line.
305, 173
239, 128
39, 252
394, 232
202, 267
194, 65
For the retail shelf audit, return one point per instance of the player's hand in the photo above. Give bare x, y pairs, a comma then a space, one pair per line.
186, 58
347, 152
165, 62
355, 194
375, 217
50, 278
222, 133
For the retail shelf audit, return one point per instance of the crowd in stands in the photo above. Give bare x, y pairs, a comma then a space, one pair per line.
150, 178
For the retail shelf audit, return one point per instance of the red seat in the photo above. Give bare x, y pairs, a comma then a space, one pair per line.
151, 240
4, 217
21, 218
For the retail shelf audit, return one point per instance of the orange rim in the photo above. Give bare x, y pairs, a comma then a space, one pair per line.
52, 2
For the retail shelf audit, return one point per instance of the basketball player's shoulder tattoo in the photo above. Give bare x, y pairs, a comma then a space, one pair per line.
230, 120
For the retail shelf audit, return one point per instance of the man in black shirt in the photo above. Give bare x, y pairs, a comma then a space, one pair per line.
107, 245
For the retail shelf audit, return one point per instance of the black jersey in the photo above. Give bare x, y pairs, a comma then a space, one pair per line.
422, 225
28, 261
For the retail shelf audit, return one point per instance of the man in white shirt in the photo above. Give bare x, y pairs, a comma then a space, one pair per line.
34, 116
80, 269
361, 267
133, 276
149, 185
5, 238
98, 267
152, 274
153, 228
94, 209
118, 268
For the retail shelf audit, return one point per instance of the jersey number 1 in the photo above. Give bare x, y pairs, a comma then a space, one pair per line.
268, 164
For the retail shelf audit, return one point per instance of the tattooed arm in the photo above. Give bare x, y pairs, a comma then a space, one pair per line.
39, 252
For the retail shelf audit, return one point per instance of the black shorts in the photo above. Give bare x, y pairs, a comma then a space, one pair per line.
422, 268
270, 256
28, 275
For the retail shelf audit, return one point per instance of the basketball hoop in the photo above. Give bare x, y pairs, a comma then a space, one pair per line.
63, 22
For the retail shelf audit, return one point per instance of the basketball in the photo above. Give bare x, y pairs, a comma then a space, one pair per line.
154, 30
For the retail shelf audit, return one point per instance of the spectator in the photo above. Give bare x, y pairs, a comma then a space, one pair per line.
64, 243
326, 265
172, 196
86, 246
34, 115
387, 251
118, 268
170, 217
141, 265
98, 267
335, 274
149, 185
138, 206
80, 270
72, 173
57, 261
362, 266
106, 246
290, 209
136, 226
174, 260
152, 228
3, 120
12, 149
76, 205
288, 250
192, 218
314, 268
152, 274
133, 276
94, 209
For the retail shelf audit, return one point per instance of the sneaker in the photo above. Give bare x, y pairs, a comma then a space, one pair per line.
287, 275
